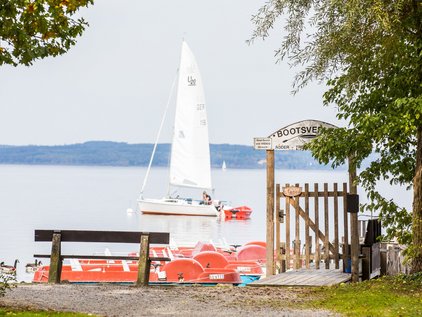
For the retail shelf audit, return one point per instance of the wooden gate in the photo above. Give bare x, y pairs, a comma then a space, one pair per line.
324, 217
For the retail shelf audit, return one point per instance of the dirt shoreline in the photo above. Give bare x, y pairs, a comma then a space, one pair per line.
126, 300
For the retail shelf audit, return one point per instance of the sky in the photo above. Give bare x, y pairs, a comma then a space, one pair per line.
114, 84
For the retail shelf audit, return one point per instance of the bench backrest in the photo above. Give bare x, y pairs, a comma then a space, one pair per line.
102, 236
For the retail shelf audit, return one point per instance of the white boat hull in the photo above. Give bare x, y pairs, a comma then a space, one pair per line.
176, 207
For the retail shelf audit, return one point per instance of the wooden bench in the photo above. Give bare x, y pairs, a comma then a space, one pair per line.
143, 238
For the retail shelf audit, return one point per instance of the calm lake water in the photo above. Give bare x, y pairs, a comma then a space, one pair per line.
97, 198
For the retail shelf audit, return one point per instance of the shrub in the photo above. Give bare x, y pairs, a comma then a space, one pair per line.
7, 281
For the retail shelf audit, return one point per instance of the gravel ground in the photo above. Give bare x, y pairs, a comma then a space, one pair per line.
124, 300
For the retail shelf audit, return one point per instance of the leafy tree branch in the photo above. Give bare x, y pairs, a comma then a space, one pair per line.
34, 29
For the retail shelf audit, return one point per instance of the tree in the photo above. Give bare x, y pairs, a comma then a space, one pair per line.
34, 29
370, 55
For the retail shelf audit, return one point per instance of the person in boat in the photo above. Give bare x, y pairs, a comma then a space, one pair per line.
206, 198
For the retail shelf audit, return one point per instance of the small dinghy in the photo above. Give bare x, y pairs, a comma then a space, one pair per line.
238, 213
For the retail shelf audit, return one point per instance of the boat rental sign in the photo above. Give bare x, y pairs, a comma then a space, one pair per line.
292, 137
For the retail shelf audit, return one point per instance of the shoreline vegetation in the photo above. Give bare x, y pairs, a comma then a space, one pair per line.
107, 153
387, 296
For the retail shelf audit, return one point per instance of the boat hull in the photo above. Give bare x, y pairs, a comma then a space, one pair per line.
239, 213
176, 207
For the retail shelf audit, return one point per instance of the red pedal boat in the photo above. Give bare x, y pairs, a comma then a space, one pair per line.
177, 271
212, 259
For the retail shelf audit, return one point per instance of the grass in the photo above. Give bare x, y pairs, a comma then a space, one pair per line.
35, 313
386, 296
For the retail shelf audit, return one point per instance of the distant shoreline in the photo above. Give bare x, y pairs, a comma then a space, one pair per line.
120, 154
327, 169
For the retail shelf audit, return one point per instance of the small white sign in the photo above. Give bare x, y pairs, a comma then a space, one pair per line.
244, 269
262, 143
216, 276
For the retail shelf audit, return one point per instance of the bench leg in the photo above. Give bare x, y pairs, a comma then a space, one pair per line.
55, 270
144, 263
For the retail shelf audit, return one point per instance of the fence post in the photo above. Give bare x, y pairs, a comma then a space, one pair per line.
277, 228
55, 271
308, 238
144, 263
317, 256
354, 234
326, 229
270, 213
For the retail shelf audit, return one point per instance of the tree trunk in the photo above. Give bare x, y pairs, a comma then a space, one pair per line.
417, 209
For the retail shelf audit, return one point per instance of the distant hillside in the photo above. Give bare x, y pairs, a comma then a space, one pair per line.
105, 153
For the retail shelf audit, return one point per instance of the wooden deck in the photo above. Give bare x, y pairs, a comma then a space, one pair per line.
305, 277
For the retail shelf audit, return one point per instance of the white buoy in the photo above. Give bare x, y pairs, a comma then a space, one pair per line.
129, 210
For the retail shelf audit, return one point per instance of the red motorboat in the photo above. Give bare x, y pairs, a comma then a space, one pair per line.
238, 213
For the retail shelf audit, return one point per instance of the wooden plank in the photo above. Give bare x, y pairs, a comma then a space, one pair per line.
305, 277
101, 257
305, 280
316, 229
346, 229
277, 228
307, 236
336, 243
326, 228
287, 208
297, 233
283, 257
102, 236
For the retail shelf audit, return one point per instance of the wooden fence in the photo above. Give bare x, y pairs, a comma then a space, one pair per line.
320, 212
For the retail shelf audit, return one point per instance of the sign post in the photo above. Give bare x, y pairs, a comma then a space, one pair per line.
291, 137
270, 267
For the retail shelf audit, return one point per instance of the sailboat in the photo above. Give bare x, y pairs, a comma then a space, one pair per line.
224, 166
190, 165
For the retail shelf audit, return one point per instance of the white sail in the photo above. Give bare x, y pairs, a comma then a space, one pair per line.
190, 154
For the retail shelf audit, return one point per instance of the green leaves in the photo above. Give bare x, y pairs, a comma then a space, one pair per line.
370, 55
31, 30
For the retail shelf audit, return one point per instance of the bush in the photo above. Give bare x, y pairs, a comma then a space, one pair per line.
7, 281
